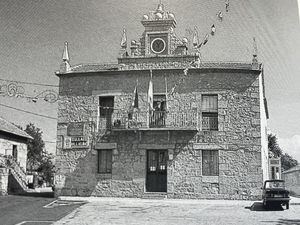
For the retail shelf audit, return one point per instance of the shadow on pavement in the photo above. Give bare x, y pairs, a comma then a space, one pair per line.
258, 206
284, 222
37, 194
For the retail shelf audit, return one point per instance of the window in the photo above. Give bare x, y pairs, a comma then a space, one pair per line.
106, 106
210, 163
209, 112
104, 161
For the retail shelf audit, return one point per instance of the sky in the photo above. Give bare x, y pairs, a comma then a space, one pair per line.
33, 34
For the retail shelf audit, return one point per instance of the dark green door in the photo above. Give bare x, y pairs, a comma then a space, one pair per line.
156, 179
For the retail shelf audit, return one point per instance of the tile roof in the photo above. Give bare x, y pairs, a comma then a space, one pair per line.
83, 68
94, 67
13, 129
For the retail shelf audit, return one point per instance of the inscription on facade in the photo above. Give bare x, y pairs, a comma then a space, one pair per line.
76, 129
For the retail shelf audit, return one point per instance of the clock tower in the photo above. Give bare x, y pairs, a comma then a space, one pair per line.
158, 46
158, 36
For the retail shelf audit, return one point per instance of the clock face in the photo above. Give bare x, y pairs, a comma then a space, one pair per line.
158, 45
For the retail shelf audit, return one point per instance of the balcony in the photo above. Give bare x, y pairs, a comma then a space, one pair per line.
143, 120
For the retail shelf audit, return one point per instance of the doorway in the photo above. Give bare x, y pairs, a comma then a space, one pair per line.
156, 178
15, 152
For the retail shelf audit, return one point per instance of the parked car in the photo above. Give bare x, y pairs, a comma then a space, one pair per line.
275, 194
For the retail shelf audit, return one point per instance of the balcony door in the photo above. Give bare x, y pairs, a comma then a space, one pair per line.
106, 111
156, 178
158, 116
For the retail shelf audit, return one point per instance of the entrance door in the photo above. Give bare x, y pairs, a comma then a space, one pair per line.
156, 179
15, 152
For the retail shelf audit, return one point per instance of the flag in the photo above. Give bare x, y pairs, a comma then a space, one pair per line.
195, 37
213, 29
227, 5
220, 15
185, 71
135, 102
150, 93
166, 91
124, 39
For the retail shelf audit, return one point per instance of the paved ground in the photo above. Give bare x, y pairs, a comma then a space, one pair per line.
140, 211
18, 209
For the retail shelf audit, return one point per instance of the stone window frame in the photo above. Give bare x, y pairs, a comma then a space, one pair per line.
114, 153
104, 93
108, 168
217, 166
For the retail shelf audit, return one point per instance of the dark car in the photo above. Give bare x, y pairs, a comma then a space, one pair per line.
275, 193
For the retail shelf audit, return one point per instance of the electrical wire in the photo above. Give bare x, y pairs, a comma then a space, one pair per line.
22, 110
23, 82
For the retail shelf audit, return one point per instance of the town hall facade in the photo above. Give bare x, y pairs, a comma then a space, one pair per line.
161, 122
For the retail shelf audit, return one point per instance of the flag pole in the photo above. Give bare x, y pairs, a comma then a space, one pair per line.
166, 91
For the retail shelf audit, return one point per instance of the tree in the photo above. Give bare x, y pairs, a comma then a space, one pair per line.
46, 167
35, 147
273, 145
287, 161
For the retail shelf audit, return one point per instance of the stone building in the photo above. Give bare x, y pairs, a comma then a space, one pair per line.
161, 121
292, 180
13, 157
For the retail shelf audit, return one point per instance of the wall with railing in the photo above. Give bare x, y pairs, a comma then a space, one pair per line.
120, 119
15, 169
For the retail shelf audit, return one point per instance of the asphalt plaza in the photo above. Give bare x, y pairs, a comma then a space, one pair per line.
28, 210
168, 211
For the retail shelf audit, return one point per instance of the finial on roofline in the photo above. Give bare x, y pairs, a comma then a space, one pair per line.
65, 65
254, 59
124, 39
66, 53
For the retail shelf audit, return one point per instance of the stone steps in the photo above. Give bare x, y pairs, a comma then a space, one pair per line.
154, 195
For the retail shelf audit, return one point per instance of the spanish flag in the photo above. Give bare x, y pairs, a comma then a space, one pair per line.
150, 92
135, 102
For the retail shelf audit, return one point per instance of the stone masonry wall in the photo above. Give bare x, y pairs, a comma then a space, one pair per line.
3, 181
6, 148
292, 181
238, 138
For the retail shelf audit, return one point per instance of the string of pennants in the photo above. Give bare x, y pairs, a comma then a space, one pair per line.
198, 45
212, 32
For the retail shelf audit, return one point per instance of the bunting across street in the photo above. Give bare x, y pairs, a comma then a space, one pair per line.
197, 45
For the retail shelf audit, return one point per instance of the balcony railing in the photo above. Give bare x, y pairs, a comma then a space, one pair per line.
210, 122
158, 119
118, 119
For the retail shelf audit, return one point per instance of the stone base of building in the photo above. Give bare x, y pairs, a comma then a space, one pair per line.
3, 181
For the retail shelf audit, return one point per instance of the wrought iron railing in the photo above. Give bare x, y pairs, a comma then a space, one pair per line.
157, 119
118, 119
210, 122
